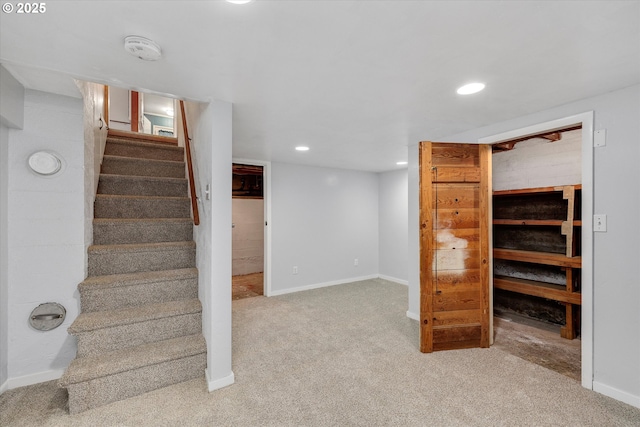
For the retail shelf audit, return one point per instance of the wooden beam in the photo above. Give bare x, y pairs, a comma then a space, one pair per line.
552, 137
510, 144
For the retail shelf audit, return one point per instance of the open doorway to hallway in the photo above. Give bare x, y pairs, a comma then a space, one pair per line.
248, 231
147, 113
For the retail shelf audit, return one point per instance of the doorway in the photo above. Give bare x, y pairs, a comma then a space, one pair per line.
248, 222
460, 173
585, 121
536, 249
139, 112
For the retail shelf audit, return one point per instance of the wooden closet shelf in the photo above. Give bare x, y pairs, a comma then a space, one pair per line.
537, 289
539, 222
535, 190
546, 258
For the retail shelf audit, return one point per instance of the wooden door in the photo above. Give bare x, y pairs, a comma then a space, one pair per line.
455, 185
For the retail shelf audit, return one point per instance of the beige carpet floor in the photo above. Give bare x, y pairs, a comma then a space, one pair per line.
342, 356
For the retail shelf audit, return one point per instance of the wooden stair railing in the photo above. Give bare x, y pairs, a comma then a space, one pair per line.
192, 186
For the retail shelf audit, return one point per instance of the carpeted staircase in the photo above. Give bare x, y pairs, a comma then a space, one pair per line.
140, 324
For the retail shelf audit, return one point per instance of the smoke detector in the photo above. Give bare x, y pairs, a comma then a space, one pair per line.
143, 48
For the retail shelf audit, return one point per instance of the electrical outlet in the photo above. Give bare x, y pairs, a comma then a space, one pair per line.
295, 269
355, 262
600, 223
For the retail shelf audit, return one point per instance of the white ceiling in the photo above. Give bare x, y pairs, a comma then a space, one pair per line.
357, 81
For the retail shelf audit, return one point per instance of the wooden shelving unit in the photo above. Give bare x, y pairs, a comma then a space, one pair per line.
536, 227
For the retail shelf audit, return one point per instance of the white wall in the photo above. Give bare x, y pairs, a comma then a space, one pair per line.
4, 282
538, 162
413, 259
12, 100
11, 115
247, 236
95, 140
46, 250
393, 225
119, 108
210, 130
616, 341
322, 220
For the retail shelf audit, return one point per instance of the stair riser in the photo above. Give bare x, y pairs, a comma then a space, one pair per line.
104, 390
138, 295
157, 152
100, 341
118, 262
142, 167
141, 187
116, 207
143, 232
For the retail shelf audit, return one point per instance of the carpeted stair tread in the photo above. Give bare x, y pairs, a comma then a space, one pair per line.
132, 258
119, 165
115, 291
95, 320
141, 247
137, 136
132, 279
127, 206
91, 367
142, 185
143, 150
111, 231
134, 197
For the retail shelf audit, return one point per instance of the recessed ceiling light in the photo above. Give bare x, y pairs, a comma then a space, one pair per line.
401, 163
239, 1
302, 148
470, 88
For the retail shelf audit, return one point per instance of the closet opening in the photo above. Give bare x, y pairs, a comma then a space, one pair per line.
537, 248
248, 231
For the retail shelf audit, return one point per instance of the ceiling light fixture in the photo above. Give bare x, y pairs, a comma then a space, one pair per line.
239, 1
470, 88
143, 48
302, 148
402, 163
169, 111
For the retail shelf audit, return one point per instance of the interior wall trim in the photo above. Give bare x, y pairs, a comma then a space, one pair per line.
216, 384
614, 393
38, 377
323, 285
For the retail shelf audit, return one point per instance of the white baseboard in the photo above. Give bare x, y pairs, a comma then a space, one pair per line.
412, 315
394, 280
220, 382
614, 393
4, 387
36, 378
322, 285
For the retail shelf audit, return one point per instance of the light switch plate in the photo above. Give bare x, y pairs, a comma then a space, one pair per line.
600, 138
600, 223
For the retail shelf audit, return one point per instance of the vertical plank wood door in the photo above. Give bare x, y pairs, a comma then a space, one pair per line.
454, 245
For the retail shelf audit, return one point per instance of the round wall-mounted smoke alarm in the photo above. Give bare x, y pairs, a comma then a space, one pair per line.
143, 48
